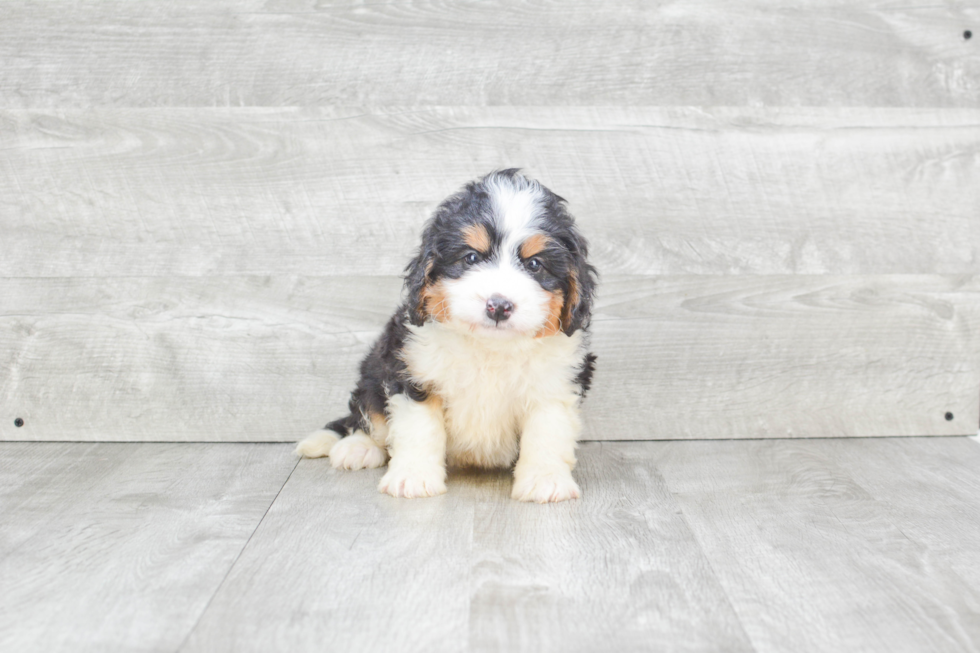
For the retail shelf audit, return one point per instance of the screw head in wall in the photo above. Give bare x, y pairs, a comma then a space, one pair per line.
18, 422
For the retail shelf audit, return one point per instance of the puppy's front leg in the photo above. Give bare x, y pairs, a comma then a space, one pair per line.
417, 446
544, 467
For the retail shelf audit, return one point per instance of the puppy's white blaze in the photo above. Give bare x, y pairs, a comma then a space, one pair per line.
357, 451
517, 203
417, 445
489, 387
317, 444
518, 206
468, 297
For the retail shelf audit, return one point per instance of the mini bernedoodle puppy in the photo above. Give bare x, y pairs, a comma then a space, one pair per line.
487, 360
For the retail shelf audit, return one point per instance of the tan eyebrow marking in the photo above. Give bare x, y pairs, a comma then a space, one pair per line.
476, 236
534, 245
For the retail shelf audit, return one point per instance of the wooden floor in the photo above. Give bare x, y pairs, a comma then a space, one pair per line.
752, 545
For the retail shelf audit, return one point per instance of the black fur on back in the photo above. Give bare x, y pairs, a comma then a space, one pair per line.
383, 374
584, 376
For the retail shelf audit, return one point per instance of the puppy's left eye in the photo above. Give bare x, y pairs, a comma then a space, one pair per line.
533, 265
472, 258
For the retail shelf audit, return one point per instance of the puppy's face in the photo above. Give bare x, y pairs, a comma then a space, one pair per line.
502, 258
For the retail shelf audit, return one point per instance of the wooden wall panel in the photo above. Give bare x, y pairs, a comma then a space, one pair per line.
289, 53
168, 358
786, 356
345, 191
204, 207
271, 358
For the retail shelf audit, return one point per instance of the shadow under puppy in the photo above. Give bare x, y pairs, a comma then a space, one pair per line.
487, 360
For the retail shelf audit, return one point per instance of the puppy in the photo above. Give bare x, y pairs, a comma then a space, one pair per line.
487, 360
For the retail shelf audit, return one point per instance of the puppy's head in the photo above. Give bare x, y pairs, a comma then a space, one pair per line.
502, 257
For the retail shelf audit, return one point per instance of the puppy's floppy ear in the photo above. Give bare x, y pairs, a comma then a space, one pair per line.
416, 280
581, 282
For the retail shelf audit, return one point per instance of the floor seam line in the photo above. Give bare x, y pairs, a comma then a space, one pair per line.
711, 565
234, 562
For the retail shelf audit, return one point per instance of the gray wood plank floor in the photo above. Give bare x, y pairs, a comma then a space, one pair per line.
750, 545
120, 547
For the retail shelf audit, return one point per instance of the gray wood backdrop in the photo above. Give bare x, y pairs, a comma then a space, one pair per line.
205, 207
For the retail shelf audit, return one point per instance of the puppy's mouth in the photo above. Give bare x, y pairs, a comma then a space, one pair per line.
492, 327
489, 327
498, 325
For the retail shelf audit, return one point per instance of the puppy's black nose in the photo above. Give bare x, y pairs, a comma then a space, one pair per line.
499, 308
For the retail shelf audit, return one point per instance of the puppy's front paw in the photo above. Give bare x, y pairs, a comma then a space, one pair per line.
411, 481
544, 487
357, 451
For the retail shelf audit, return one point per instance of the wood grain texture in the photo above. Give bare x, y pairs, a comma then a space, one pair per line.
811, 561
617, 571
927, 489
219, 359
334, 191
286, 53
119, 547
786, 356
350, 570
802, 545
272, 358
472, 570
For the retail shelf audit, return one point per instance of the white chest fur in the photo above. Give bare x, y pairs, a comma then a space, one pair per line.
489, 385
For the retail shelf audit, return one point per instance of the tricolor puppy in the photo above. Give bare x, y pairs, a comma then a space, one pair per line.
487, 360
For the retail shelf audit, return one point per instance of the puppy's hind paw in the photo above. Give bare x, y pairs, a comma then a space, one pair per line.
357, 451
548, 487
406, 482
317, 444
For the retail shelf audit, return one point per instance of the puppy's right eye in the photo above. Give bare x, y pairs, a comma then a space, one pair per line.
472, 258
